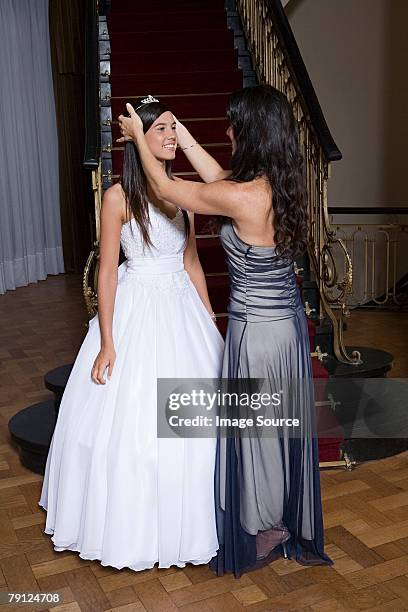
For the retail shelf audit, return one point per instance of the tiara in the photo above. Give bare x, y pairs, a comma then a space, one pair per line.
147, 100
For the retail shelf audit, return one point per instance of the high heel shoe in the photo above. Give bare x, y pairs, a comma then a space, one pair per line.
269, 540
285, 550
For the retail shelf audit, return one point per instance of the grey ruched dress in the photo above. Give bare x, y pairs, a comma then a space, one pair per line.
268, 486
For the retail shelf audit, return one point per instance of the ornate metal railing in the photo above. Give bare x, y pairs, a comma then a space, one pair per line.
375, 254
277, 61
377, 242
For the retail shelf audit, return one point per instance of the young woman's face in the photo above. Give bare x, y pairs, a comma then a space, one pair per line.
230, 134
161, 137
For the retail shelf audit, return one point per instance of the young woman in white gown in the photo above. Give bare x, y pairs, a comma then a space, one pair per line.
112, 489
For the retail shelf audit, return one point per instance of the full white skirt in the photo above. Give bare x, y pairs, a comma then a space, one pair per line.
113, 491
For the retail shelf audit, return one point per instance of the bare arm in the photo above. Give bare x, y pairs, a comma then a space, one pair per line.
111, 224
207, 167
218, 198
193, 266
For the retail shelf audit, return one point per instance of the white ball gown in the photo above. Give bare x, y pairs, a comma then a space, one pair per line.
113, 491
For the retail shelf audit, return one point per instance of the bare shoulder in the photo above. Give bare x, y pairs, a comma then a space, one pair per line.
252, 196
114, 204
229, 190
114, 193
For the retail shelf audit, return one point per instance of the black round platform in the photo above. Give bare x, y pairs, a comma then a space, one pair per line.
373, 412
55, 380
376, 362
31, 429
360, 450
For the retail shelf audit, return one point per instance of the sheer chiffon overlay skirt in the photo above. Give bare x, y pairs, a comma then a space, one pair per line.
268, 487
268, 482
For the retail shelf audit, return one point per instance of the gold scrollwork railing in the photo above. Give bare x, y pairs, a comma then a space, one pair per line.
274, 66
92, 263
378, 254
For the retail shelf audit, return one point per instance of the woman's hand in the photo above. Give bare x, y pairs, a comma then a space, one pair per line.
184, 138
214, 317
179, 125
131, 126
105, 359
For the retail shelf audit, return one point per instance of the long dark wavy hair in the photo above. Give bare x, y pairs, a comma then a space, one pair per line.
133, 179
267, 145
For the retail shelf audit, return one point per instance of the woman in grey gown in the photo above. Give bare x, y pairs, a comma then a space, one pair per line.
267, 484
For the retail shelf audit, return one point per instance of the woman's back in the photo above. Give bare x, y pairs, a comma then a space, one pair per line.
263, 285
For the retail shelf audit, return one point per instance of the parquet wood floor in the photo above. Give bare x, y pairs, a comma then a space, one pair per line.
365, 511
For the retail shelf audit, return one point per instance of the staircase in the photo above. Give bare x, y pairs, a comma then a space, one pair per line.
192, 68
190, 55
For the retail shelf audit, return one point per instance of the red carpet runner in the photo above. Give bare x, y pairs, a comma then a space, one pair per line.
182, 53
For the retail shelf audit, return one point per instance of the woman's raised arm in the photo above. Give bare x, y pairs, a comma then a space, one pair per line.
218, 198
203, 163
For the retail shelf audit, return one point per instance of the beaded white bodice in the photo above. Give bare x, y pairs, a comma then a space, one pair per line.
160, 267
167, 236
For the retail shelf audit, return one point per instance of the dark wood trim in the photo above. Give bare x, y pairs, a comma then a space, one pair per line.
104, 7
92, 133
68, 65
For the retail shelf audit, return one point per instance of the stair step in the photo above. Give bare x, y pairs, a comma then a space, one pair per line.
181, 163
56, 379
205, 225
221, 154
152, 22
169, 83
187, 41
163, 6
212, 255
311, 328
184, 107
206, 132
188, 176
152, 62
210, 131
168, 12
218, 291
32, 429
222, 324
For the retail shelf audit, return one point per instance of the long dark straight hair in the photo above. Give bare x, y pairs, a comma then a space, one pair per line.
267, 144
133, 179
